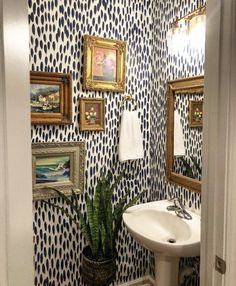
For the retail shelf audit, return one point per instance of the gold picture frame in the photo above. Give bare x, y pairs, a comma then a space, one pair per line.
50, 98
184, 86
104, 64
92, 114
57, 165
195, 113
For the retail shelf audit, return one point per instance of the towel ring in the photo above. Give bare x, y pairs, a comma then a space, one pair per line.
130, 99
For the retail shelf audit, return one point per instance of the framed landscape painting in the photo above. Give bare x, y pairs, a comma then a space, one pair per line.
50, 98
104, 64
92, 114
57, 165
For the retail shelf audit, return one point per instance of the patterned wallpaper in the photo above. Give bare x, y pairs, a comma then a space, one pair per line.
56, 45
169, 66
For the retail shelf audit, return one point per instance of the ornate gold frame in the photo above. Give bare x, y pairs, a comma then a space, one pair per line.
65, 83
180, 86
76, 151
94, 127
88, 82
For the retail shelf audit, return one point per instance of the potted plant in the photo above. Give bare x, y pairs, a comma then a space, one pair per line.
100, 226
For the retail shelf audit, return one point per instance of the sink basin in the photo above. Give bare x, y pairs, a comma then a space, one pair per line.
162, 231
166, 234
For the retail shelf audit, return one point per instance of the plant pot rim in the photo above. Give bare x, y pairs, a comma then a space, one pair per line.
88, 256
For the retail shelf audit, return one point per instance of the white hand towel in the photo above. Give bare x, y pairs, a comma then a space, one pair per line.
179, 149
131, 141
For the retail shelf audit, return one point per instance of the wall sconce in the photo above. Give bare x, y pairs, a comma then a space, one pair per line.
197, 31
189, 29
177, 36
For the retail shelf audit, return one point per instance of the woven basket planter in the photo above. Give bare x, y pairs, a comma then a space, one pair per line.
98, 273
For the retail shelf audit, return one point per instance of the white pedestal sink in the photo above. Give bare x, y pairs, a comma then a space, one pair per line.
167, 235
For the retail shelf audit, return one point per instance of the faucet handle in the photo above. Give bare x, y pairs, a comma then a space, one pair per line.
178, 203
179, 208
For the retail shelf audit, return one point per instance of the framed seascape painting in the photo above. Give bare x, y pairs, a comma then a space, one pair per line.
104, 64
50, 98
57, 165
92, 114
195, 113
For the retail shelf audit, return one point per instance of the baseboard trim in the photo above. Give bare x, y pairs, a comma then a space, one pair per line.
143, 281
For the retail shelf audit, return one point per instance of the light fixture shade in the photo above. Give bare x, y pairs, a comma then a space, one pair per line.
197, 21
188, 32
197, 30
177, 37
171, 35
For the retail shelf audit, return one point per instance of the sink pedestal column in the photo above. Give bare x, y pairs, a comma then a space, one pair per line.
166, 270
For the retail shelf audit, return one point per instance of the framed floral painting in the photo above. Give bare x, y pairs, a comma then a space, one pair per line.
92, 114
50, 98
195, 113
104, 64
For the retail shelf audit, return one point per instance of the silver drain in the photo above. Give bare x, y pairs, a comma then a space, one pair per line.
171, 240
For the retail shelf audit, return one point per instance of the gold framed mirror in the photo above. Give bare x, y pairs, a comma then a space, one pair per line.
184, 132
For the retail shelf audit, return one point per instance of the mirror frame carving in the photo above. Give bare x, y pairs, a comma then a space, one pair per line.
179, 86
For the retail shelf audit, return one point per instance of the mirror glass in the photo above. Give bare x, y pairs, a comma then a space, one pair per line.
184, 132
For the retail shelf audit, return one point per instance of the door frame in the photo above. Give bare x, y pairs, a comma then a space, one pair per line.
16, 216
219, 152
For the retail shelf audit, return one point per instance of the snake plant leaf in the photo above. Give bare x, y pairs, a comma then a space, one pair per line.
117, 216
134, 200
85, 228
196, 164
89, 204
90, 219
106, 213
103, 239
63, 210
117, 181
119, 206
109, 177
66, 199
102, 221
97, 216
74, 198
106, 216
188, 170
84, 225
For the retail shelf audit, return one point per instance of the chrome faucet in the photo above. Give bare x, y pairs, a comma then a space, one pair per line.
179, 208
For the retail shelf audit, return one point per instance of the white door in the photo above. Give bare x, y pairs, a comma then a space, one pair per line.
16, 235
219, 155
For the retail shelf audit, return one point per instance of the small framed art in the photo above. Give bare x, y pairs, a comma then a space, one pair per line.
195, 113
50, 98
92, 114
57, 165
104, 64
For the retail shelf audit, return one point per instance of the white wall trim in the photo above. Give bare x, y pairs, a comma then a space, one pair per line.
16, 218
210, 142
3, 229
230, 222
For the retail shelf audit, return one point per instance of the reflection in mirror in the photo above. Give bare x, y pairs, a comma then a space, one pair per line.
184, 132
188, 135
